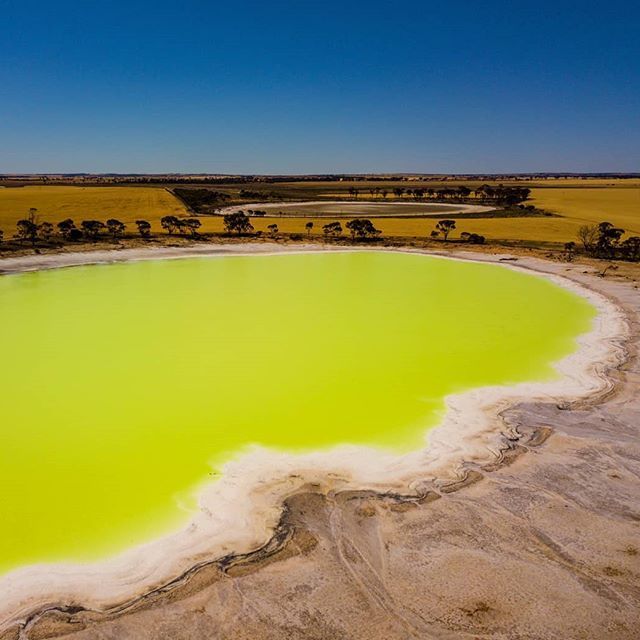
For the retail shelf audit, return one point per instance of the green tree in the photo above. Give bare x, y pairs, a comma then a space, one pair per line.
45, 231
65, 227
362, 228
169, 224
115, 228
192, 225
308, 227
333, 229
237, 222
445, 227
27, 230
569, 251
273, 229
92, 228
608, 239
630, 248
144, 228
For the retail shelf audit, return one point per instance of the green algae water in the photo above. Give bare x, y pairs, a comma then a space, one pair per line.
123, 387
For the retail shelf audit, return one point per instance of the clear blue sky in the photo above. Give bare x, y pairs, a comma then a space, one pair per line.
303, 87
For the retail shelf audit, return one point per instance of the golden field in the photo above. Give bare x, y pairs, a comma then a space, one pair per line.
543, 229
55, 203
577, 205
618, 205
577, 201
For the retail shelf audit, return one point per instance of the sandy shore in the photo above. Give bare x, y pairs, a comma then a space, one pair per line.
483, 430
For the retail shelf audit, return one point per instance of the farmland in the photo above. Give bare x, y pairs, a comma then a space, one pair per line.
621, 206
55, 203
574, 201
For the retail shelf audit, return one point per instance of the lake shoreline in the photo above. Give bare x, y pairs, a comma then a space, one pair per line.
267, 479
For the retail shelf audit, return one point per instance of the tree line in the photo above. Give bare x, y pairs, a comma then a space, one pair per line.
499, 195
445, 227
361, 228
494, 194
31, 230
238, 223
605, 241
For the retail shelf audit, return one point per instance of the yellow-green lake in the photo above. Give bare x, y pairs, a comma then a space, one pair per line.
124, 386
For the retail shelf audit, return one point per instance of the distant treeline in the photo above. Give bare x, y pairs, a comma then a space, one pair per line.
202, 199
494, 194
197, 198
115, 178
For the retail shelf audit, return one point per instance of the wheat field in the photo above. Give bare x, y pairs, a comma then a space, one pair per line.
55, 203
577, 202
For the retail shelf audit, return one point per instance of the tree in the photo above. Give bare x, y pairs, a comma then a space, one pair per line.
1, 235
273, 229
91, 228
445, 227
608, 239
500, 194
237, 222
27, 230
45, 231
569, 250
308, 227
144, 228
362, 228
192, 224
115, 228
588, 234
630, 248
471, 238
385, 193
65, 228
169, 223
202, 199
333, 229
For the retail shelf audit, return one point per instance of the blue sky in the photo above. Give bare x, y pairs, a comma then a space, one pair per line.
301, 87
